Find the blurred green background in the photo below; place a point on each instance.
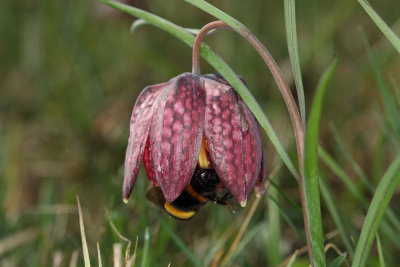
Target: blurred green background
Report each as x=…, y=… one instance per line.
x=70, y=74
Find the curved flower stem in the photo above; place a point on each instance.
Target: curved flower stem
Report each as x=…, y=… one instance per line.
x=276, y=73
x=284, y=89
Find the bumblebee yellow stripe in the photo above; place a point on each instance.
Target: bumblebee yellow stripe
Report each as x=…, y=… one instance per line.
x=194, y=194
x=183, y=215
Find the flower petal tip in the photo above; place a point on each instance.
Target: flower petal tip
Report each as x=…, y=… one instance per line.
x=259, y=191
x=125, y=200
x=243, y=203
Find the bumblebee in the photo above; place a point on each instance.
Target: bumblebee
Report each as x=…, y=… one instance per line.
x=202, y=188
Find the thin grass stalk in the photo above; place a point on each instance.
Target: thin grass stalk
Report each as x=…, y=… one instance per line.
x=85, y=249
x=291, y=37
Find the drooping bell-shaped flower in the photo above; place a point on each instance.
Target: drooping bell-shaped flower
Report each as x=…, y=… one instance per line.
x=191, y=121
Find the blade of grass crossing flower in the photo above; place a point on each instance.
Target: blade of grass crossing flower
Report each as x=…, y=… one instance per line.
x=291, y=36
x=393, y=113
x=338, y=261
x=215, y=61
x=311, y=175
x=192, y=258
x=85, y=250
x=380, y=252
x=383, y=194
x=146, y=249
x=386, y=30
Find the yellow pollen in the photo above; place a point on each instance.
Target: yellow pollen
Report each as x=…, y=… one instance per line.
x=204, y=161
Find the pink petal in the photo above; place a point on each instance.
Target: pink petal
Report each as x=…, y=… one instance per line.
x=139, y=129
x=147, y=163
x=233, y=139
x=259, y=188
x=253, y=143
x=176, y=135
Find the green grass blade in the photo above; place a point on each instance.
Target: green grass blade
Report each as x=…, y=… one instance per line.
x=215, y=61
x=192, y=258
x=330, y=162
x=386, y=30
x=289, y=221
x=146, y=248
x=391, y=216
x=246, y=239
x=377, y=208
x=331, y=204
x=393, y=114
x=340, y=145
x=85, y=250
x=311, y=173
x=291, y=36
x=380, y=252
x=292, y=259
x=338, y=261
x=212, y=10
x=273, y=251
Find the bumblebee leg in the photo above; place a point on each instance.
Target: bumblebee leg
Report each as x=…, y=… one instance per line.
x=224, y=201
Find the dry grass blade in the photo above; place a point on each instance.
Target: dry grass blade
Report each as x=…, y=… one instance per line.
x=74, y=259
x=132, y=259
x=128, y=247
x=83, y=235
x=18, y=239
x=117, y=255
x=241, y=232
x=99, y=255
x=57, y=258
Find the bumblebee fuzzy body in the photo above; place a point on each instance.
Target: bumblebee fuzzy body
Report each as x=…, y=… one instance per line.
x=201, y=189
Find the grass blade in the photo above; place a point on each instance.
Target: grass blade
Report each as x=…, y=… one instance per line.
x=274, y=255
x=329, y=161
x=377, y=208
x=291, y=36
x=333, y=211
x=390, y=214
x=386, y=30
x=215, y=61
x=292, y=259
x=99, y=255
x=146, y=248
x=380, y=252
x=334, y=166
x=387, y=97
x=311, y=175
x=338, y=261
x=85, y=250
x=192, y=258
